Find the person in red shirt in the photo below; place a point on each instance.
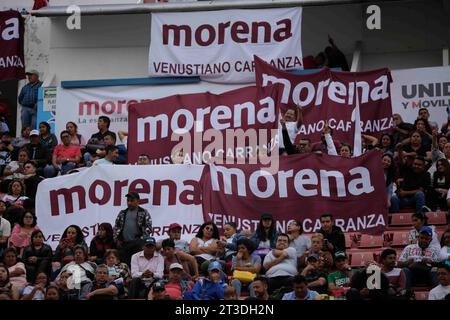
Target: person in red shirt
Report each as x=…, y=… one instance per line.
x=65, y=156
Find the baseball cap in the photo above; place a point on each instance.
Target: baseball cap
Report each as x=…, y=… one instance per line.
x=159, y=286
x=32, y=71
x=174, y=226
x=266, y=215
x=340, y=255
x=214, y=266
x=175, y=266
x=314, y=256
x=34, y=132
x=426, y=230
x=133, y=195
x=150, y=241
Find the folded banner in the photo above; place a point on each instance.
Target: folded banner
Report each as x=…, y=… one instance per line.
x=171, y=193
x=331, y=95
x=204, y=125
x=12, y=62
x=219, y=45
x=306, y=186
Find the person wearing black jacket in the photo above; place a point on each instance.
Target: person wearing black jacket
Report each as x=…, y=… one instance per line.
x=37, y=152
x=37, y=257
x=334, y=239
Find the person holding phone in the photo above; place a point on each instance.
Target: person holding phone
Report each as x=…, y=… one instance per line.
x=334, y=239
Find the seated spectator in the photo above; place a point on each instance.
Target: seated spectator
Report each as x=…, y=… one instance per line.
x=301, y=291
x=31, y=179
x=24, y=138
x=334, y=239
x=280, y=264
x=147, y=267
x=6, y=150
x=36, y=292
x=360, y=289
x=245, y=266
x=21, y=233
x=37, y=257
x=440, y=149
x=175, y=235
x=8, y=291
x=143, y=159
x=48, y=139
x=65, y=157
x=342, y=277
x=66, y=293
x=315, y=275
x=110, y=140
x=418, y=260
x=175, y=286
x=437, y=194
x=64, y=252
x=111, y=154
x=158, y=292
x=226, y=248
x=423, y=127
x=445, y=250
x=15, y=169
x=37, y=152
x=172, y=256
x=96, y=140
x=419, y=221
x=16, y=193
x=441, y=291
x=84, y=269
x=204, y=245
x=414, y=148
x=412, y=187
x=298, y=241
x=52, y=293
x=424, y=114
x=265, y=236
x=388, y=164
x=386, y=144
x=317, y=246
x=17, y=271
x=102, y=242
x=260, y=289
x=101, y=288
x=76, y=139
x=209, y=288
x=396, y=276
x=117, y=269
x=5, y=228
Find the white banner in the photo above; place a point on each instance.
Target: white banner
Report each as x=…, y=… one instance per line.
x=171, y=193
x=413, y=89
x=84, y=105
x=219, y=45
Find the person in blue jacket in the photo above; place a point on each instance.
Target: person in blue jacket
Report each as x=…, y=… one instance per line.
x=210, y=288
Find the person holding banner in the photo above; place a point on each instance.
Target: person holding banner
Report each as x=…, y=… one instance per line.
x=132, y=225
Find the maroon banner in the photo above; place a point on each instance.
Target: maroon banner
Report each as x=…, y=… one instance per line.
x=331, y=95
x=12, y=63
x=210, y=124
x=305, y=187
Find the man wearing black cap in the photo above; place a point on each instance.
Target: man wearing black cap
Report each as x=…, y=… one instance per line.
x=315, y=275
x=28, y=98
x=132, y=226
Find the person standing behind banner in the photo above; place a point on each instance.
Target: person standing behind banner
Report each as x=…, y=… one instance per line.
x=132, y=225
x=28, y=98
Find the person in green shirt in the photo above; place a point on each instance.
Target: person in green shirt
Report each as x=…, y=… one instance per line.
x=341, y=278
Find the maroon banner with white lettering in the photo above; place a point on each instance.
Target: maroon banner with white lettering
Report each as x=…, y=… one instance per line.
x=305, y=187
x=206, y=121
x=331, y=95
x=12, y=63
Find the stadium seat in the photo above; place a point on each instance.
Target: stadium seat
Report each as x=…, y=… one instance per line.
x=437, y=218
x=351, y=239
x=421, y=295
x=401, y=219
x=369, y=241
x=358, y=259
x=400, y=238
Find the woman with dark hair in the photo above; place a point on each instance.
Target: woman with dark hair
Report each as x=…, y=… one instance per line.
x=388, y=164
x=444, y=255
x=15, y=169
x=245, y=261
x=386, y=143
x=16, y=193
x=298, y=241
x=204, y=245
x=345, y=150
x=17, y=271
x=420, y=220
x=48, y=139
x=265, y=235
x=437, y=195
x=102, y=241
x=37, y=256
x=414, y=148
x=76, y=139
x=423, y=127
x=37, y=292
x=80, y=265
x=64, y=252
x=21, y=233
x=227, y=245
x=7, y=290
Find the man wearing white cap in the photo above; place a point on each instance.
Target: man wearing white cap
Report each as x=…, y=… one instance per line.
x=28, y=99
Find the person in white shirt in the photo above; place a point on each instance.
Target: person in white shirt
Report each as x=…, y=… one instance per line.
x=293, y=120
x=281, y=264
x=147, y=267
x=112, y=153
x=442, y=291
